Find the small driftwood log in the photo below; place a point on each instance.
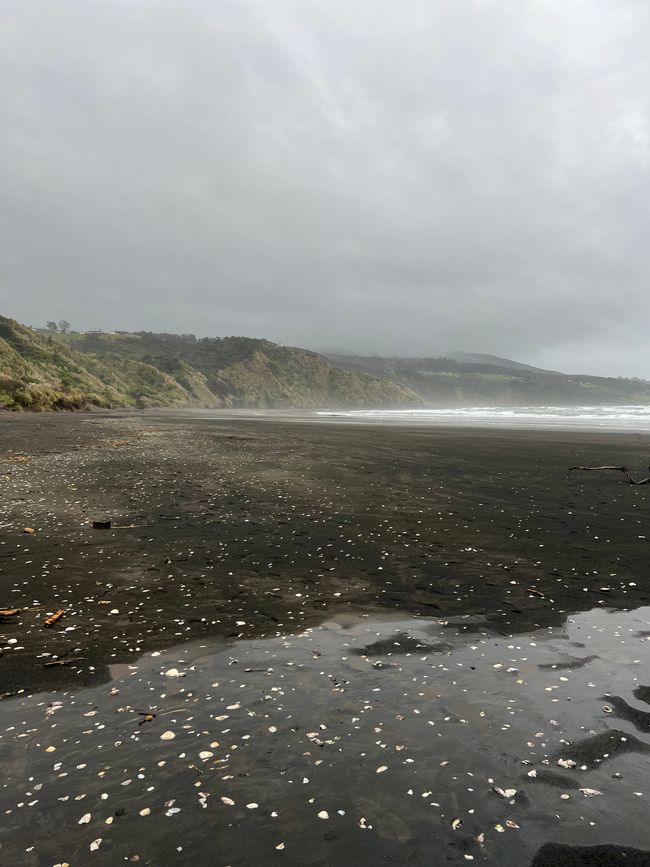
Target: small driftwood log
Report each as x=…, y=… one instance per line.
x=623, y=470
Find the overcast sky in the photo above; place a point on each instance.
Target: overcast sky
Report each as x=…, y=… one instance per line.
x=360, y=175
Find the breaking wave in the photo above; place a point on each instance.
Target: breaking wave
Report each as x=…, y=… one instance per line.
x=633, y=418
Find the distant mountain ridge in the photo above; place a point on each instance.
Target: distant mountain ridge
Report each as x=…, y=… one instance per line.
x=494, y=360
x=487, y=380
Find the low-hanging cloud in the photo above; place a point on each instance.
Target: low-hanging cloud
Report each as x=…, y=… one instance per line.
x=360, y=176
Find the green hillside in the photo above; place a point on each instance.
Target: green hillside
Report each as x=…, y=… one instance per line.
x=247, y=372
x=37, y=372
x=445, y=382
x=46, y=371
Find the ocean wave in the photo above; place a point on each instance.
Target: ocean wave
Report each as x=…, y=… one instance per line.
x=631, y=417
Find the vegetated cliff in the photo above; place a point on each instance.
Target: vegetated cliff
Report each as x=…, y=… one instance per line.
x=445, y=382
x=44, y=371
x=247, y=372
x=37, y=372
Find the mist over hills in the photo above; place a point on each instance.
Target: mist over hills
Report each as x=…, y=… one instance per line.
x=48, y=370
x=487, y=380
x=493, y=361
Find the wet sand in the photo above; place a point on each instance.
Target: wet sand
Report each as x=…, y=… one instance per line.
x=235, y=534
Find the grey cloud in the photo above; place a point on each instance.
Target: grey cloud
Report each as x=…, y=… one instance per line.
x=370, y=176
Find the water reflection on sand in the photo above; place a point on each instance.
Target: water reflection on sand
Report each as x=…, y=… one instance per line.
x=368, y=740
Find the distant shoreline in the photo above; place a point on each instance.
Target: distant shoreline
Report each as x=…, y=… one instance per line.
x=478, y=418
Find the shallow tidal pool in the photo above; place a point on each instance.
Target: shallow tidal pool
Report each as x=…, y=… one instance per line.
x=367, y=740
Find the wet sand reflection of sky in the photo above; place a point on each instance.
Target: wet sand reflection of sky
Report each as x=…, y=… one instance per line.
x=363, y=741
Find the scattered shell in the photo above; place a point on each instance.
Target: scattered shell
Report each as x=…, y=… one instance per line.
x=504, y=793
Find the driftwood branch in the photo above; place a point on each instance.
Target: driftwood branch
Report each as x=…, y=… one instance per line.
x=623, y=470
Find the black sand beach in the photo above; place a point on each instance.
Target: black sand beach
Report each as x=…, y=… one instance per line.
x=229, y=535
